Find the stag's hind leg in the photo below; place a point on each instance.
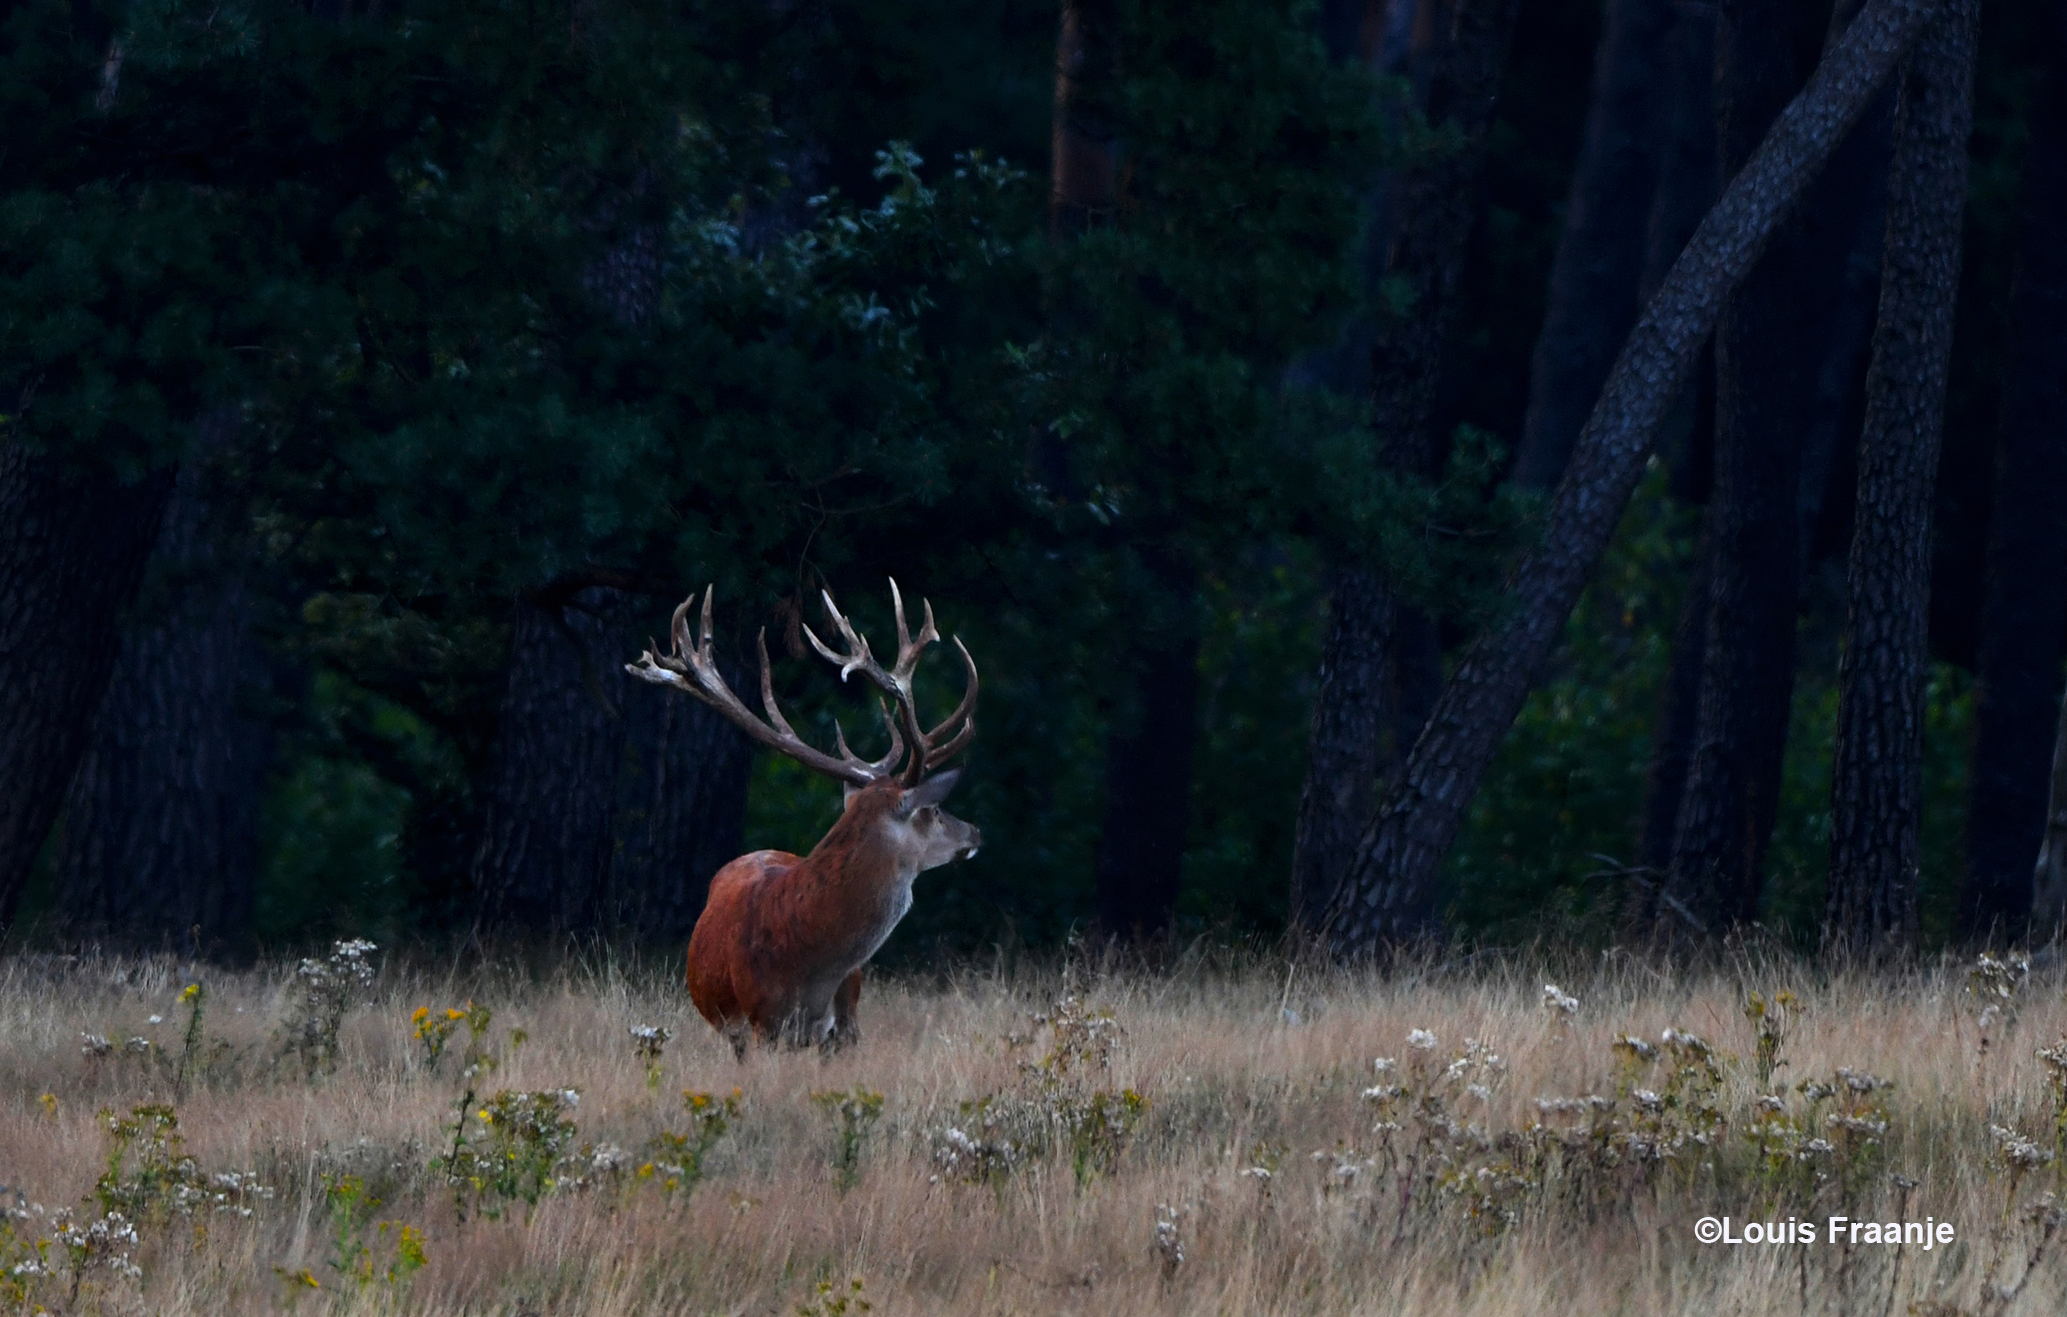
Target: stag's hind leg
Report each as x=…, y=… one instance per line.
x=846, y=1026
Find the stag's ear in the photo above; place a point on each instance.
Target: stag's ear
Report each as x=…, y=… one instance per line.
x=929, y=792
x=847, y=793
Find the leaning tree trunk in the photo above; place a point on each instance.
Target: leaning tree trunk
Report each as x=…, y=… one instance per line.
x=1600, y=255
x=1876, y=785
x=1731, y=791
x=1384, y=659
x=72, y=552
x=545, y=854
x=160, y=839
x=2026, y=608
x=1390, y=892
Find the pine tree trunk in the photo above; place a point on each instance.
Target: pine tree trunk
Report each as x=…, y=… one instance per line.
x=72, y=552
x=2049, y=877
x=1843, y=224
x=2026, y=607
x=547, y=839
x=1346, y=741
x=1831, y=264
x=1876, y=787
x=1687, y=186
x=681, y=809
x=161, y=830
x=1786, y=350
x=1753, y=557
x=1148, y=767
x=1385, y=659
x=1672, y=749
x=1390, y=892
x=1083, y=170
x=1600, y=254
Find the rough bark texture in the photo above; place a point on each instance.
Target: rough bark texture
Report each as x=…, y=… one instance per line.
x=1148, y=762
x=72, y=552
x=1840, y=290
x=2026, y=607
x=1390, y=892
x=544, y=860
x=681, y=808
x=1688, y=182
x=1731, y=792
x=1379, y=647
x=160, y=839
x=1346, y=742
x=1787, y=351
x=1672, y=748
x=1595, y=275
x=2049, y=878
x=1842, y=226
x=1083, y=179
x=1687, y=185
x=1831, y=265
x=1876, y=785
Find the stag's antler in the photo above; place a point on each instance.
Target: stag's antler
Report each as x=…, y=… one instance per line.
x=928, y=752
x=693, y=670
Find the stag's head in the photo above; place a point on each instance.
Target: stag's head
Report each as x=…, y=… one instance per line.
x=911, y=821
x=897, y=797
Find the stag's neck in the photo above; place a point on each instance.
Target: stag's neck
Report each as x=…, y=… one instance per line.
x=862, y=872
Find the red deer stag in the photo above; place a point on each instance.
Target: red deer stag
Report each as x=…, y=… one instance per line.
x=779, y=948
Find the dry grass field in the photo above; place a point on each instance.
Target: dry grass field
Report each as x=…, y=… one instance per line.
x=1225, y=1140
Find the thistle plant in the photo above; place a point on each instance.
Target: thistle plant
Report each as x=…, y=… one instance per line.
x=1053, y=1109
x=832, y=1300
x=389, y=1256
x=649, y=1041
x=1994, y=985
x=510, y=1149
x=2054, y=1061
x=1168, y=1243
x=854, y=1114
x=149, y=1177
x=323, y=990
x=100, y=1245
x=1772, y=1022
x=675, y=1161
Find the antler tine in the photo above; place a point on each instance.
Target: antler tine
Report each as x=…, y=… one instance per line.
x=859, y=658
x=962, y=710
x=938, y=755
x=692, y=670
x=897, y=684
x=880, y=767
x=775, y=717
x=908, y=650
x=677, y=627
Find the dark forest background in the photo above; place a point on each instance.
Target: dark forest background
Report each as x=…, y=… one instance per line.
x=376, y=377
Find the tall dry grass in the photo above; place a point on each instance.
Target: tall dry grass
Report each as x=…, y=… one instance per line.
x=1245, y=1066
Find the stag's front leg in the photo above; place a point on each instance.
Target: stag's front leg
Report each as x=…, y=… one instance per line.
x=846, y=1024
